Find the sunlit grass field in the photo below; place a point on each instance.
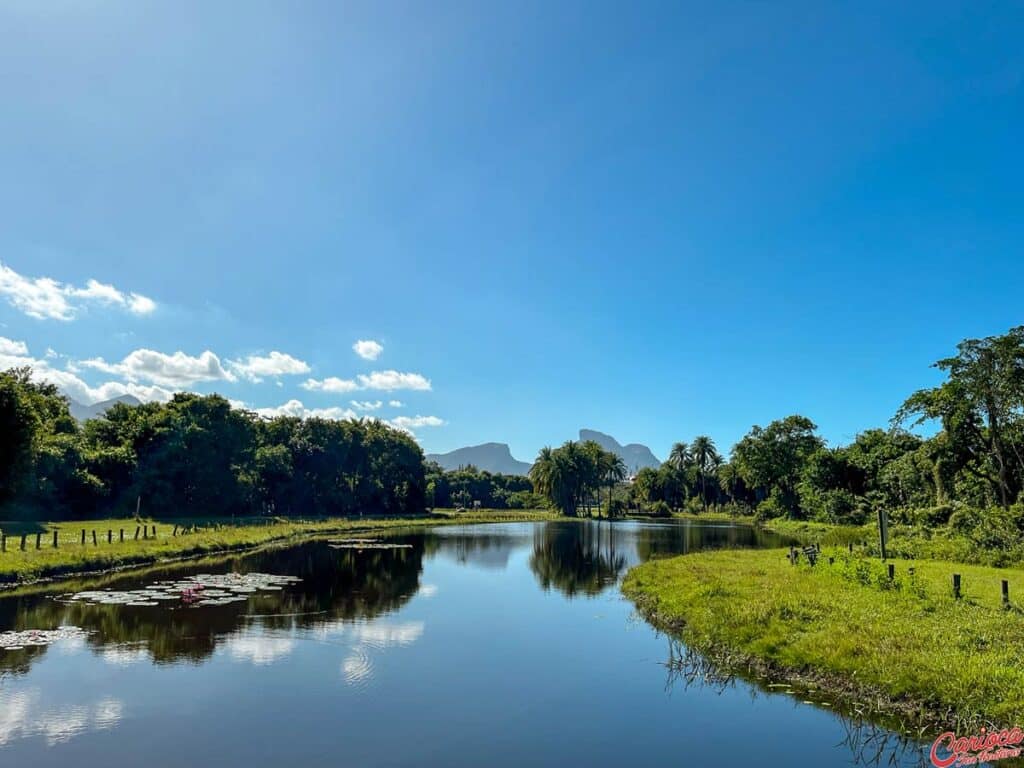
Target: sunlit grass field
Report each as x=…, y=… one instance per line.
x=957, y=661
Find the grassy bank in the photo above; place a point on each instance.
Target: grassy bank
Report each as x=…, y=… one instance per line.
x=905, y=647
x=205, y=536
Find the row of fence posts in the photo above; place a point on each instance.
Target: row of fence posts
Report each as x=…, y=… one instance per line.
x=145, y=530
x=891, y=569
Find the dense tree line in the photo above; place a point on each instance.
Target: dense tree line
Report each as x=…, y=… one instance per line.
x=973, y=461
x=195, y=455
x=467, y=486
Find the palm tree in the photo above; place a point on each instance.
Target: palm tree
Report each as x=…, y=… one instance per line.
x=556, y=474
x=706, y=457
x=680, y=457
x=614, y=471
x=540, y=472
x=681, y=460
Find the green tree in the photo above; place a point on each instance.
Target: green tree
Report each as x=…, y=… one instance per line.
x=980, y=407
x=771, y=459
x=706, y=459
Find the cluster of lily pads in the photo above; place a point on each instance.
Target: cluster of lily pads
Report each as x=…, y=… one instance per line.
x=361, y=544
x=201, y=590
x=16, y=641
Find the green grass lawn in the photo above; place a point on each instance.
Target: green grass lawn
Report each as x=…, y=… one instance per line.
x=210, y=535
x=845, y=626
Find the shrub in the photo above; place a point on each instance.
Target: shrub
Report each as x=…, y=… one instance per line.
x=659, y=509
x=965, y=519
x=935, y=516
x=693, y=506
x=616, y=508
x=771, y=508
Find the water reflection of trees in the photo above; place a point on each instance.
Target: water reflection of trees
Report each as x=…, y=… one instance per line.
x=693, y=536
x=868, y=743
x=337, y=585
x=579, y=559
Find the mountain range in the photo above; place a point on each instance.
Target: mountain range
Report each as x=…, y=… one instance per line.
x=490, y=457
x=498, y=458
x=635, y=455
x=82, y=412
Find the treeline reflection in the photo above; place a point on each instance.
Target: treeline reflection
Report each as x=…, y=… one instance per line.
x=346, y=586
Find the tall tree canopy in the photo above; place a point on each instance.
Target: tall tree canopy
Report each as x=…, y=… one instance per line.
x=196, y=455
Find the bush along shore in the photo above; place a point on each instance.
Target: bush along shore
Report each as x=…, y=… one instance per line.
x=902, y=648
x=96, y=545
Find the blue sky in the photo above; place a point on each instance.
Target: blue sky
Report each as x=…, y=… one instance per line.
x=656, y=220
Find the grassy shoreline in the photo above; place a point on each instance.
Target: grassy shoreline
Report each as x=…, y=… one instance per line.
x=212, y=536
x=904, y=649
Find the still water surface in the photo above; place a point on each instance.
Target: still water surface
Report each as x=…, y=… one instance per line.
x=499, y=645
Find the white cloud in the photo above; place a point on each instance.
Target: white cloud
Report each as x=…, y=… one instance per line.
x=11, y=347
x=396, y=403
x=26, y=715
x=139, y=304
x=259, y=651
x=94, y=289
x=330, y=384
x=255, y=367
x=296, y=409
x=383, y=635
x=72, y=386
x=368, y=349
x=177, y=370
x=81, y=392
x=366, y=405
x=414, y=422
x=386, y=381
x=382, y=381
x=47, y=299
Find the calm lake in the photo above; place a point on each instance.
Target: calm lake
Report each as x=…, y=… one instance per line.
x=497, y=645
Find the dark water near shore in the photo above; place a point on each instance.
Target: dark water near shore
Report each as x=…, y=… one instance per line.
x=503, y=645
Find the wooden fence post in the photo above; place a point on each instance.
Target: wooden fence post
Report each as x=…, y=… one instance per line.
x=3, y=542
x=110, y=536
x=83, y=537
x=892, y=571
x=23, y=542
x=39, y=540
x=175, y=531
x=851, y=547
x=883, y=531
x=1006, y=594
x=136, y=533
x=956, y=585
x=122, y=535
x=154, y=531
x=54, y=539
x=94, y=537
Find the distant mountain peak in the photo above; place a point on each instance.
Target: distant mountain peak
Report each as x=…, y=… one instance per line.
x=635, y=455
x=83, y=412
x=491, y=457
